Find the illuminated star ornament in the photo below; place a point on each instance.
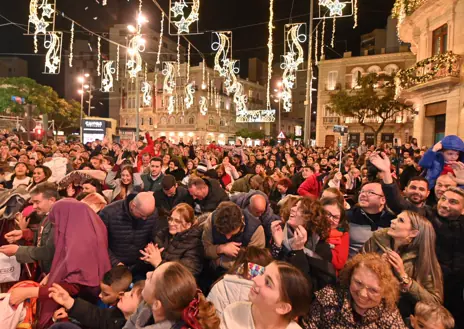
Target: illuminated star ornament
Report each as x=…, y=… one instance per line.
x=181, y=21
x=336, y=8
x=53, y=42
x=47, y=10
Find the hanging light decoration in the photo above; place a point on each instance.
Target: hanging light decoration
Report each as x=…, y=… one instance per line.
x=107, y=78
x=146, y=90
x=134, y=63
x=53, y=42
x=189, y=95
x=323, y=40
x=203, y=84
x=71, y=46
x=355, y=5
x=222, y=48
x=38, y=24
x=332, y=42
x=316, y=46
x=271, y=54
x=177, y=10
x=171, y=104
x=188, y=63
x=117, y=64
x=293, y=58
x=203, y=105
x=99, y=57
x=160, y=44
x=169, y=80
x=257, y=116
x=336, y=7
x=178, y=55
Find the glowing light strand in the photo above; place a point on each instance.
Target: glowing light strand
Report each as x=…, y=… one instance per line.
x=222, y=48
x=355, y=5
x=188, y=63
x=257, y=116
x=332, y=42
x=99, y=57
x=203, y=105
x=316, y=46
x=53, y=42
x=323, y=40
x=134, y=63
x=169, y=81
x=117, y=64
x=71, y=46
x=40, y=23
x=203, y=85
x=171, y=104
x=271, y=54
x=178, y=55
x=293, y=58
x=107, y=77
x=146, y=90
x=189, y=95
x=160, y=39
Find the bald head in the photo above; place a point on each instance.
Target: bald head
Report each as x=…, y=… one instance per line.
x=257, y=205
x=143, y=205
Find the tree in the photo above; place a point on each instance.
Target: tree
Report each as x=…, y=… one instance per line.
x=373, y=103
x=65, y=114
x=253, y=134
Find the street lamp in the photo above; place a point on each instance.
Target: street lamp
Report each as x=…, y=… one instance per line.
x=278, y=90
x=81, y=80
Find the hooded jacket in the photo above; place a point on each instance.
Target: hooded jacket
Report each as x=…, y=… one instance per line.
x=231, y=289
x=424, y=292
x=434, y=162
x=243, y=201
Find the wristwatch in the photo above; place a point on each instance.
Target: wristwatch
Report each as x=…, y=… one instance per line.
x=405, y=282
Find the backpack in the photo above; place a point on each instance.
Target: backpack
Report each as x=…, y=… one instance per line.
x=30, y=305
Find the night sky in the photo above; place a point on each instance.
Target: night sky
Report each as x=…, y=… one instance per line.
x=243, y=17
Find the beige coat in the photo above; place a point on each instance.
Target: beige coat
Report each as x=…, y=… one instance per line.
x=426, y=291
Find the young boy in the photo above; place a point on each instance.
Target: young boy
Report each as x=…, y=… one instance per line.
x=113, y=286
x=91, y=316
x=431, y=316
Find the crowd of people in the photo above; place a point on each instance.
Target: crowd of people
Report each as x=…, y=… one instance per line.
x=152, y=234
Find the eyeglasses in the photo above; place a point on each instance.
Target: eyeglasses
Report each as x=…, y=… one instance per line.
x=359, y=286
x=330, y=216
x=174, y=220
x=370, y=193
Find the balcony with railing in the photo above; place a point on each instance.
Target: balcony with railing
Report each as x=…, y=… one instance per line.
x=404, y=8
x=331, y=120
x=439, y=70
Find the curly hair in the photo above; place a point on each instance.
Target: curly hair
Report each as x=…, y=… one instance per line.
x=315, y=217
x=388, y=283
x=286, y=205
x=228, y=217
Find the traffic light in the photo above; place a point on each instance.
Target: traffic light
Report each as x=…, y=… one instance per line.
x=38, y=132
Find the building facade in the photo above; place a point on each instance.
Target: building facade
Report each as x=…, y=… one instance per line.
x=435, y=30
x=218, y=124
x=13, y=67
x=343, y=73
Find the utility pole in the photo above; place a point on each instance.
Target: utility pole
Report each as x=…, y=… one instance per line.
x=309, y=79
x=90, y=96
x=137, y=105
x=82, y=111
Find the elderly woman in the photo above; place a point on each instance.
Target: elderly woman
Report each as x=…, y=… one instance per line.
x=366, y=298
x=180, y=241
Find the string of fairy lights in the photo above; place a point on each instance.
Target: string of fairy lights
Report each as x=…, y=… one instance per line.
x=184, y=17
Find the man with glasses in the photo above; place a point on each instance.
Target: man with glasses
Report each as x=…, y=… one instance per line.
x=225, y=231
x=170, y=196
x=367, y=216
x=131, y=224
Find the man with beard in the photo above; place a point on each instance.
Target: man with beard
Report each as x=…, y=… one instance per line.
x=417, y=191
x=447, y=219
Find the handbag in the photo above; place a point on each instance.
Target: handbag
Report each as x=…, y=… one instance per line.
x=10, y=269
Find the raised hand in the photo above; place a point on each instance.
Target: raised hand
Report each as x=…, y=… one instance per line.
x=277, y=233
x=60, y=296
x=300, y=238
x=21, y=221
x=381, y=161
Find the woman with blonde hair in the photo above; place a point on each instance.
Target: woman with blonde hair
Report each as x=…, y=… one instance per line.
x=366, y=298
x=172, y=300
x=409, y=247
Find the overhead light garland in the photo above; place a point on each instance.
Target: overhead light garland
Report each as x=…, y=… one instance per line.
x=355, y=4
x=203, y=105
x=332, y=42
x=53, y=42
x=177, y=10
x=147, y=91
x=40, y=23
x=160, y=44
x=189, y=92
x=257, y=116
x=99, y=56
x=271, y=54
x=134, y=63
x=188, y=63
x=107, y=78
x=293, y=58
x=169, y=80
x=71, y=46
x=203, y=85
x=323, y=40
x=117, y=64
x=316, y=46
x=222, y=48
x=178, y=55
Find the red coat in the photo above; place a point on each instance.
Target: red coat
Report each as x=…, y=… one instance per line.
x=310, y=187
x=150, y=149
x=226, y=180
x=341, y=246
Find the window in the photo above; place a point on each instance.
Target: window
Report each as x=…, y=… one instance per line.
x=355, y=75
x=332, y=80
x=142, y=122
x=150, y=121
x=222, y=123
x=172, y=121
x=179, y=120
x=440, y=40
x=374, y=69
x=211, y=121
x=191, y=121
x=390, y=69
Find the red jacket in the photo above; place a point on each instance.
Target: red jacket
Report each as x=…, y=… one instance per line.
x=310, y=187
x=340, y=243
x=150, y=149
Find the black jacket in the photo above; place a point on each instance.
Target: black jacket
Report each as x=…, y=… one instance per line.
x=216, y=194
x=92, y=317
x=185, y=247
x=165, y=204
x=127, y=234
